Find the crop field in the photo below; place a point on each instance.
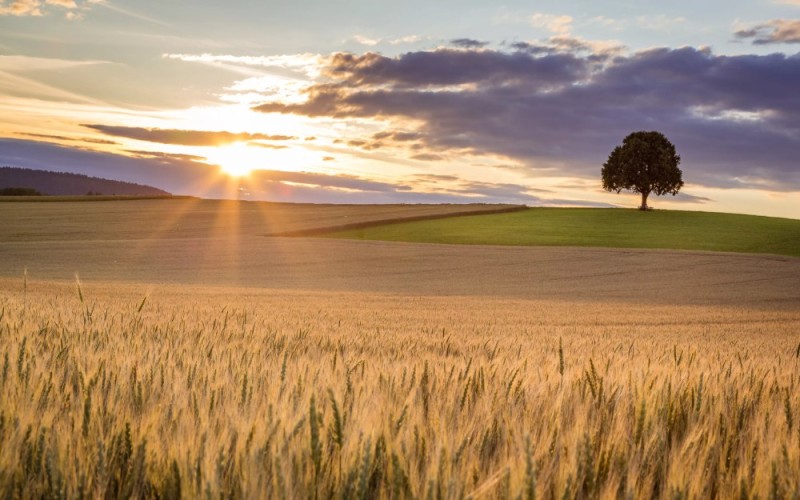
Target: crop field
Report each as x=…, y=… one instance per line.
x=236, y=392
x=221, y=362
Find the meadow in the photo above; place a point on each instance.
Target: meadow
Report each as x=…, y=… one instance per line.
x=219, y=362
x=594, y=227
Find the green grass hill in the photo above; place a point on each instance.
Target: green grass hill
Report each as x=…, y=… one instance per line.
x=596, y=227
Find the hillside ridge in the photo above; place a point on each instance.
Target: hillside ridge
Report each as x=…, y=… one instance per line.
x=63, y=183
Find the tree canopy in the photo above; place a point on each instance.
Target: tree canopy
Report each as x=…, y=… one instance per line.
x=645, y=163
x=19, y=191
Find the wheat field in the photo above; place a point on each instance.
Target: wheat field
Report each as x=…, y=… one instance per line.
x=199, y=358
x=120, y=390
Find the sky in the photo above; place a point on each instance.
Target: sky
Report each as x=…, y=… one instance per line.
x=355, y=101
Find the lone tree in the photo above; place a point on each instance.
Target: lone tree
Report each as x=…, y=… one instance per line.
x=645, y=163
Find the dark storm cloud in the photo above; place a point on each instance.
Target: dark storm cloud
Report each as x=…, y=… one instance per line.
x=734, y=119
x=184, y=137
x=777, y=31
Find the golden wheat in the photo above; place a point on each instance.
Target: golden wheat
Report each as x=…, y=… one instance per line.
x=210, y=392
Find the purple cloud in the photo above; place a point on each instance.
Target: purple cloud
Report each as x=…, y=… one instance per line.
x=734, y=119
x=776, y=31
x=468, y=43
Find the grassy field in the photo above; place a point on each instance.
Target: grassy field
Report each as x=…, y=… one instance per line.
x=200, y=357
x=594, y=227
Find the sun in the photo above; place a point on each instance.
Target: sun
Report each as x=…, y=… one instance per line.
x=238, y=159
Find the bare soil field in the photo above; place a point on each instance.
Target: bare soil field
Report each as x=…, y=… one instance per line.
x=197, y=218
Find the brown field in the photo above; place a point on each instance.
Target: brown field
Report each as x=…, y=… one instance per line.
x=298, y=367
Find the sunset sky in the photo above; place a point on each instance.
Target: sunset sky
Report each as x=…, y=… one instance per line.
x=354, y=101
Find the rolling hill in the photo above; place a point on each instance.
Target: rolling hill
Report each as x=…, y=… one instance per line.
x=62, y=183
x=600, y=227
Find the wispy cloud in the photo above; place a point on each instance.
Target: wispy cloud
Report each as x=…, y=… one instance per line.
x=17, y=78
x=22, y=64
x=560, y=25
x=306, y=64
x=89, y=140
x=184, y=137
x=370, y=41
x=776, y=31
x=130, y=13
x=365, y=40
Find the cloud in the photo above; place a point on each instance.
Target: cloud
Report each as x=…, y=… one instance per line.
x=23, y=64
x=556, y=24
x=306, y=65
x=427, y=157
x=734, y=119
x=468, y=43
x=364, y=40
x=185, y=137
x=371, y=41
x=397, y=136
x=190, y=174
x=21, y=8
x=169, y=172
x=348, y=182
x=67, y=4
x=445, y=67
x=777, y=31
x=37, y=8
x=167, y=157
x=24, y=76
x=405, y=39
x=90, y=140
x=268, y=146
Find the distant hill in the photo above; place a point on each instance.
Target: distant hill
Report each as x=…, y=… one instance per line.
x=61, y=183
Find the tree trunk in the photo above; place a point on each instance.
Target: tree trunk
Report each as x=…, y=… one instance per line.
x=644, y=201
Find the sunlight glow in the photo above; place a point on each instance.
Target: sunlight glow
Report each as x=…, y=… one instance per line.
x=238, y=159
